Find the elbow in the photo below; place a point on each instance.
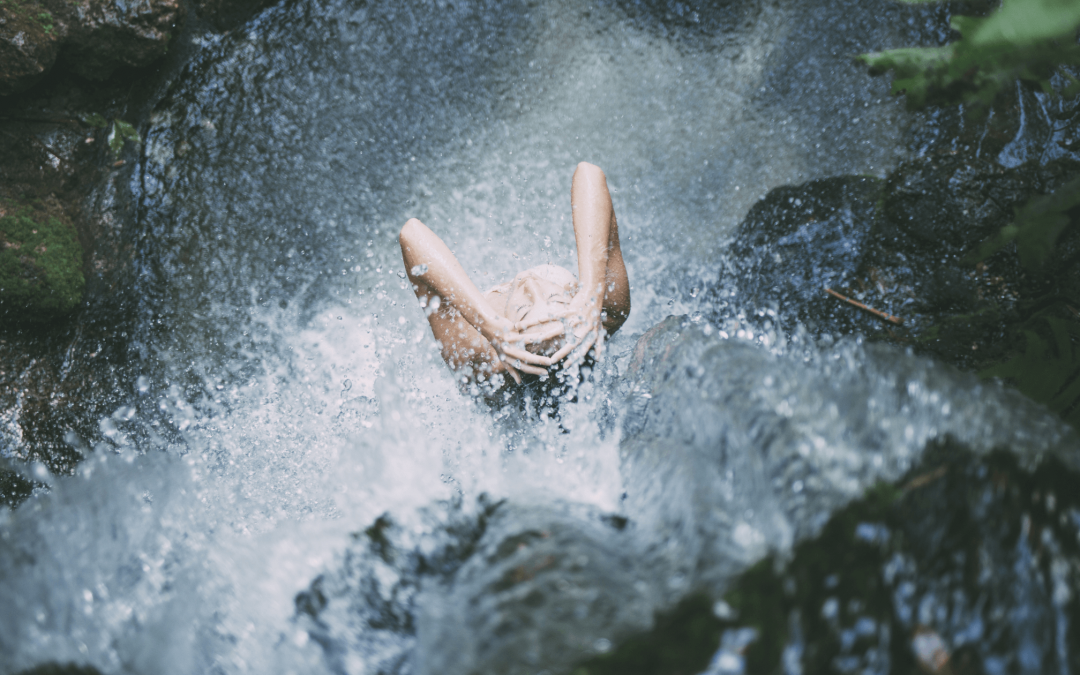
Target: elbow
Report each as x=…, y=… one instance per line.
x=585, y=167
x=408, y=229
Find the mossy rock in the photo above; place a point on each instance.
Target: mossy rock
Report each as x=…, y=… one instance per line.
x=41, y=276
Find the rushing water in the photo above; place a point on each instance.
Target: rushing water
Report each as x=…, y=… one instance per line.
x=291, y=393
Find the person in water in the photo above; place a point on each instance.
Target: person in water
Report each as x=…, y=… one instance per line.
x=545, y=317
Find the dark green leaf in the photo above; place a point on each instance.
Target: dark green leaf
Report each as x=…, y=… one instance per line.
x=95, y=120
x=1023, y=39
x=1037, y=226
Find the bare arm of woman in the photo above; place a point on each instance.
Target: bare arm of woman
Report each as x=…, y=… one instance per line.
x=603, y=298
x=600, y=258
x=468, y=329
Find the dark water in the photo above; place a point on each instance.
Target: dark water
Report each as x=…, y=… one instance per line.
x=291, y=395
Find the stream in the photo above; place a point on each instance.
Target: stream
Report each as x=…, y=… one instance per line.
x=297, y=484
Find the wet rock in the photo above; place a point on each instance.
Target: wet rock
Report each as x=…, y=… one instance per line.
x=29, y=44
x=899, y=247
x=41, y=260
x=368, y=602
x=224, y=14
x=111, y=33
x=545, y=589
x=501, y=591
x=796, y=242
x=963, y=566
x=91, y=37
x=966, y=565
x=14, y=488
x=733, y=425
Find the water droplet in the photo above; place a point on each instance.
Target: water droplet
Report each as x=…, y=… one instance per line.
x=419, y=270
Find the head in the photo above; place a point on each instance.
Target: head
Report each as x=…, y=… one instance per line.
x=535, y=293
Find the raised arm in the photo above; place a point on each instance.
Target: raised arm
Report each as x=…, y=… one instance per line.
x=603, y=299
x=601, y=270
x=449, y=295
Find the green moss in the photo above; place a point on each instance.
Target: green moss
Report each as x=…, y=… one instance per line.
x=41, y=275
x=42, y=18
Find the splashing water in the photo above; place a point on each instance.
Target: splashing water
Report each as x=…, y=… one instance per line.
x=293, y=393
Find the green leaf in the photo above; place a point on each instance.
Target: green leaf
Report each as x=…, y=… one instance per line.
x=127, y=132
x=1036, y=228
x=1048, y=372
x=95, y=120
x=122, y=131
x=1023, y=39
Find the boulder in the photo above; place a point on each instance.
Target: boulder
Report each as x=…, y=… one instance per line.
x=963, y=566
x=899, y=246
x=797, y=241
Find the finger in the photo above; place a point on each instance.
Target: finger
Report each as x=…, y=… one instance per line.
x=536, y=320
x=525, y=356
x=552, y=331
x=561, y=354
x=513, y=372
x=533, y=370
x=579, y=354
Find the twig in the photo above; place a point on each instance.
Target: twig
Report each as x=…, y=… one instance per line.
x=876, y=312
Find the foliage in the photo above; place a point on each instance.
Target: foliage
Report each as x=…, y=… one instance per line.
x=40, y=264
x=1023, y=39
x=1048, y=367
x=1048, y=370
x=121, y=132
x=1037, y=227
x=95, y=120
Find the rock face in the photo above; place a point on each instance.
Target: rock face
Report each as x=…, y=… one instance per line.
x=800, y=240
x=41, y=262
x=114, y=33
x=899, y=246
x=93, y=37
x=223, y=14
x=29, y=43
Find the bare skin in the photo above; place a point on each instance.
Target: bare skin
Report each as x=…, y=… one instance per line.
x=541, y=317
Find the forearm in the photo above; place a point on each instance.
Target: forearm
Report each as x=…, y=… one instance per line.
x=433, y=269
x=593, y=221
x=616, y=285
